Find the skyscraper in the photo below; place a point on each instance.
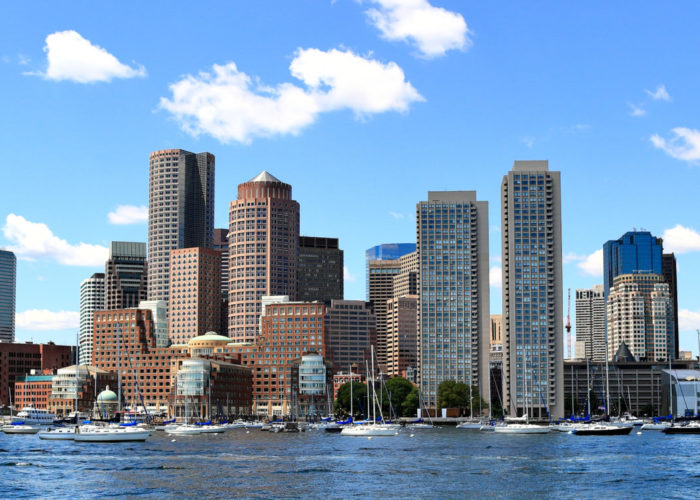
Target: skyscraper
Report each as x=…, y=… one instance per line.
x=453, y=315
x=263, y=251
x=221, y=244
x=180, y=210
x=401, y=338
x=8, y=291
x=381, y=290
x=92, y=298
x=126, y=275
x=668, y=269
x=195, y=293
x=350, y=332
x=320, y=269
x=590, y=323
x=634, y=252
x=386, y=251
x=533, y=351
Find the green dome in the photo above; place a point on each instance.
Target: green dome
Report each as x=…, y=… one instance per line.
x=209, y=337
x=107, y=396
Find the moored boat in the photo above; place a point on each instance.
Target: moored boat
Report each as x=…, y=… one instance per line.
x=20, y=428
x=689, y=428
x=603, y=430
x=99, y=434
x=521, y=429
x=58, y=434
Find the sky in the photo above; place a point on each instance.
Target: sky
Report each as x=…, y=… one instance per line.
x=362, y=106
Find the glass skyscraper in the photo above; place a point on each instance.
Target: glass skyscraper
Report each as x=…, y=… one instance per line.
x=635, y=252
x=453, y=317
x=8, y=289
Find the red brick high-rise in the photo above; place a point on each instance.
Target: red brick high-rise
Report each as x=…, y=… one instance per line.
x=263, y=251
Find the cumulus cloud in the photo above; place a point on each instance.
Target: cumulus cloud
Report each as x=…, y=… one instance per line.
x=495, y=277
x=43, y=319
x=684, y=145
x=681, y=239
x=128, y=214
x=71, y=57
x=230, y=105
x=591, y=265
x=660, y=94
x=347, y=276
x=34, y=240
x=433, y=30
x=688, y=320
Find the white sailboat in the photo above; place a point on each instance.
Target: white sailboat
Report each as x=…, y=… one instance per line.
x=18, y=426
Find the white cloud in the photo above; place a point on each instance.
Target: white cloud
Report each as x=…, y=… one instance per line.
x=23, y=60
x=347, y=276
x=636, y=109
x=128, y=214
x=590, y=264
x=688, y=320
x=528, y=141
x=34, y=240
x=72, y=57
x=433, y=30
x=495, y=277
x=396, y=215
x=660, y=94
x=496, y=259
x=685, y=145
x=43, y=319
x=230, y=105
x=681, y=239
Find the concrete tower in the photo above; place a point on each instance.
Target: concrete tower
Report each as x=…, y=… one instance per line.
x=92, y=298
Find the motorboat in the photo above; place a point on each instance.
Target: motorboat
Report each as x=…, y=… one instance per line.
x=58, y=434
x=34, y=416
x=603, y=430
x=183, y=429
x=370, y=430
x=473, y=425
x=109, y=434
x=516, y=428
x=689, y=428
x=420, y=425
x=20, y=427
x=656, y=426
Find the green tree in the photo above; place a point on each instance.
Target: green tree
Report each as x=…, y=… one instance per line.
x=409, y=407
x=359, y=396
x=452, y=394
x=394, y=393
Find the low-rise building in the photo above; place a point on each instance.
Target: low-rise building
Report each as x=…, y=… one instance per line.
x=91, y=380
x=34, y=389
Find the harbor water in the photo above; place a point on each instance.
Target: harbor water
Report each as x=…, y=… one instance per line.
x=437, y=463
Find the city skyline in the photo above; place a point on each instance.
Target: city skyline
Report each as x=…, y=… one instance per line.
x=611, y=139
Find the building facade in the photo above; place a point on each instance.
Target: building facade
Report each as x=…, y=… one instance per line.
x=386, y=251
x=312, y=384
x=496, y=338
x=591, y=316
x=381, y=289
x=195, y=293
x=640, y=314
x=453, y=313
x=126, y=275
x=350, y=333
x=221, y=245
x=668, y=269
x=8, y=292
x=180, y=210
x=92, y=298
x=33, y=390
x=633, y=252
x=320, y=270
x=402, y=335
x=159, y=315
x=533, y=350
x=91, y=381
x=263, y=251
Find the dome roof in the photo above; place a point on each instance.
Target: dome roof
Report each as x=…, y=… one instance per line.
x=107, y=396
x=210, y=337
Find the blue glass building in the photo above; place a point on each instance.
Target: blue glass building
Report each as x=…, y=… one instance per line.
x=634, y=252
x=8, y=288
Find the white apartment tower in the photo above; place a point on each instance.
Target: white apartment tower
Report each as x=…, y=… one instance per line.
x=92, y=298
x=533, y=351
x=453, y=306
x=590, y=323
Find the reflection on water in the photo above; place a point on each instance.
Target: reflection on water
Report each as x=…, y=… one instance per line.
x=444, y=463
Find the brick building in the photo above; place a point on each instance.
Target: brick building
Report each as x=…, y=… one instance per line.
x=33, y=390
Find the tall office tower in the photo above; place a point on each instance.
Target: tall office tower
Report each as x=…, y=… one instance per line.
x=406, y=282
x=533, y=350
x=590, y=323
x=92, y=298
x=496, y=339
x=351, y=330
x=263, y=251
x=381, y=289
x=634, y=252
x=180, y=210
x=126, y=275
x=387, y=251
x=402, y=336
x=453, y=311
x=195, y=293
x=320, y=269
x=668, y=269
x=159, y=316
x=640, y=314
x=8, y=291
x=221, y=244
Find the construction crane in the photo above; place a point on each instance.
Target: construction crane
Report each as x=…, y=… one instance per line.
x=568, y=327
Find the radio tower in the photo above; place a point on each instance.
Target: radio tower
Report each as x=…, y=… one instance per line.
x=568, y=327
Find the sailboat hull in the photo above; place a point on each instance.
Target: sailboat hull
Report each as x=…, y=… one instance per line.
x=369, y=430
x=602, y=430
x=520, y=429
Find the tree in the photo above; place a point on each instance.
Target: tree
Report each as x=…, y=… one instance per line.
x=452, y=394
x=394, y=393
x=359, y=396
x=410, y=404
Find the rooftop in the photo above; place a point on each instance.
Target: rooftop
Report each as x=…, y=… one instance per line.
x=264, y=176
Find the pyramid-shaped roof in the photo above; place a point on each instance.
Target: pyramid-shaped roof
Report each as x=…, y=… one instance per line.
x=264, y=176
x=624, y=354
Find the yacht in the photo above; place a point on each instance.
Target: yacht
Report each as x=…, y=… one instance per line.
x=370, y=430
x=603, y=430
x=58, y=434
x=183, y=429
x=97, y=434
x=689, y=428
x=31, y=415
x=521, y=429
x=473, y=425
x=656, y=426
x=20, y=427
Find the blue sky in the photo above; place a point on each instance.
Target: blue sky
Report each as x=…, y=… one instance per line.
x=363, y=106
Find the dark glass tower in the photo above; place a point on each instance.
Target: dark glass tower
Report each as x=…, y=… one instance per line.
x=8, y=289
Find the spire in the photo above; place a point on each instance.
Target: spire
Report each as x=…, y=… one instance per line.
x=264, y=176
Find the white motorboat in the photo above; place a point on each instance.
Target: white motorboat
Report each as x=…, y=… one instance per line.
x=470, y=425
x=421, y=425
x=370, y=430
x=183, y=429
x=20, y=428
x=656, y=426
x=97, y=434
x=58, y=434
x=30, y=415
x=521, y=429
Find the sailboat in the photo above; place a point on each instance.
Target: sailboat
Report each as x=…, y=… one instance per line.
x=18, y=427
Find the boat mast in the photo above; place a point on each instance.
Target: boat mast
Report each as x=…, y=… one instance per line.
x=527, y=395
x=77, y=372
x=351, y=383
x=670, y=389
x=119, y=371
x=588, y=386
